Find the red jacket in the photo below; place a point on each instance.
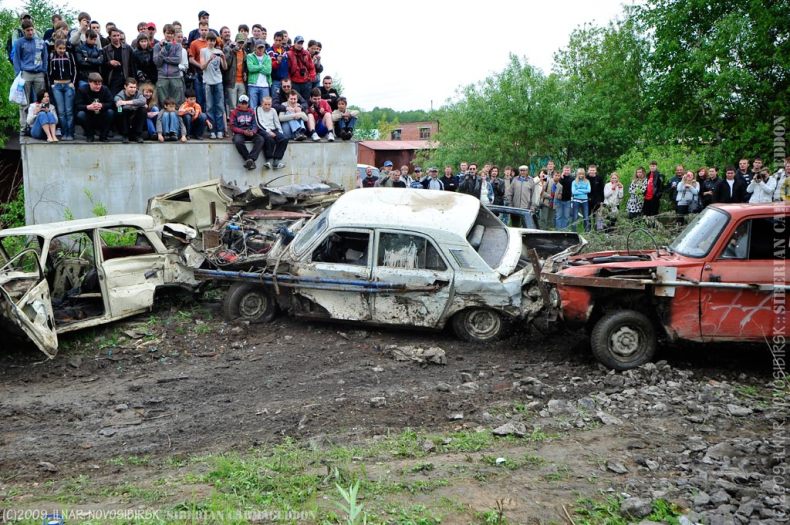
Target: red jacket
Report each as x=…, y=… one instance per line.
x=319, y=110
x=300, y=66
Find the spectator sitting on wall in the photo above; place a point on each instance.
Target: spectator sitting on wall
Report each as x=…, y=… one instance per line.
x=280, y=100
x=269, y=127
x=293, y=117
x=319, y=122
x=245, y=129
x=151, y=108
x=130, y=112
x=94, y=108
x=169, y=125
x=42, y=118
x=192, y=114
x=345, y=119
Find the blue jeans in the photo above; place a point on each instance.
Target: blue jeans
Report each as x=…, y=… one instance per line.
x=276, y=88
x=580, y=206
x=170, y=123
x=195, y=127
x=256, y=94
x=291, y=127
x=215, y=100
x=562, y=214
x=200, y=90
x=342, y=124
x=64, y=102
x=37, y=131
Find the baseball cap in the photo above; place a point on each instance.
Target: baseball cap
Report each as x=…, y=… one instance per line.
x=523, y=167
x=244, y=98
x=239, y=37
x=151, y=25
x=418, y=170
x=387, y=163
x=299, y=38
x=433, y=169
x=260, y=43
x=203, y=13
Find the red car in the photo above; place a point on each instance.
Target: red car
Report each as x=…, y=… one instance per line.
x=724, y=278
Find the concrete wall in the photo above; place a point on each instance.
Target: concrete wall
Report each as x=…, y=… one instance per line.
x=122, y=177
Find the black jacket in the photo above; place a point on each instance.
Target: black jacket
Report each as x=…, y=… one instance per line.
x=450, y=183
x=144, y=68
x=722, y=193
x=86, y=96
x=279, y=102
x=596, y=191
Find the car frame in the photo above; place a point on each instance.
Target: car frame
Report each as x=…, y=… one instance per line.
x=714, y=283
x=59, y=282
x=391, y=256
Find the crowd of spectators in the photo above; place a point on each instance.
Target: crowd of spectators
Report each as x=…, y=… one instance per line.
x=560, y=199
x=175, y=88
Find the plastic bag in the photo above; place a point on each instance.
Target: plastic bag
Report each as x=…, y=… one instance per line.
x=17, y=92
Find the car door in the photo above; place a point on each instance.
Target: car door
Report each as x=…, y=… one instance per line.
x=30, y=308
x=335, y=274
x=411, y=261
x=739, y=285
x=130, y=269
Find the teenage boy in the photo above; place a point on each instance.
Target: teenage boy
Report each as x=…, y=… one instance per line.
x=130, y=112
x=30, y=58
x=345, y=119
x=244, y=128
x=167, y=57
x=212, y=62
x=269, y=127
x=259, y=74
x=319, y=118
x=192, y=114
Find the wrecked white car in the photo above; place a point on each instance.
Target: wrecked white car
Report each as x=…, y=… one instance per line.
x=64, y=276
x=399, y=257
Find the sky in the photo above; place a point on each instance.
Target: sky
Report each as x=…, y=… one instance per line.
x=404, y=55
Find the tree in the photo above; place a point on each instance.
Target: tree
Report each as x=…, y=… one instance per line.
x=719, y=71
x=506, y=118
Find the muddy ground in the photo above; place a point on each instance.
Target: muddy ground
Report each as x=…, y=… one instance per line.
x=182, y=382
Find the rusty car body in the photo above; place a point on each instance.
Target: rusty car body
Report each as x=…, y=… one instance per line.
x=400, y=257
x=65, y=276
x=723, y=278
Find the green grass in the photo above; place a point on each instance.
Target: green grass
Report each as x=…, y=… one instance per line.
x=607, y=512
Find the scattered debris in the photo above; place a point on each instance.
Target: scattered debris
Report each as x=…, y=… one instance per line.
x=511, y=428
x=432, y=354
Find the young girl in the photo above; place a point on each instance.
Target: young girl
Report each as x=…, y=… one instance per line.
x=151, y=108
x=42, y=117
x=63, y=75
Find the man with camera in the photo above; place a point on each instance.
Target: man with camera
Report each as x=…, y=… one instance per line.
x=301, y=69
x=762, y=186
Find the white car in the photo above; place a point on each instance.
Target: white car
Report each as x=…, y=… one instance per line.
x=394, y=256
x=64, y=276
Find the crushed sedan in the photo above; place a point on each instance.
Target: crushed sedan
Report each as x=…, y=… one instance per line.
x=399, y=257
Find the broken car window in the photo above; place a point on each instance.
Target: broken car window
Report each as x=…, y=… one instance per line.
x=308, y=234
x=344, y=248
x=757, y=239
x=124, y=241
x=400, y=250
x=11, y=245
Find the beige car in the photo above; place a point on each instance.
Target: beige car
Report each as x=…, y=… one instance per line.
x=61, y=277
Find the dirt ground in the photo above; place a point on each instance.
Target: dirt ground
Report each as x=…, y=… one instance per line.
x=182, y=382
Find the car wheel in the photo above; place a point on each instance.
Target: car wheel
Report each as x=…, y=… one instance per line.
x=479, y=325
x=248, y=302
x=623, y=339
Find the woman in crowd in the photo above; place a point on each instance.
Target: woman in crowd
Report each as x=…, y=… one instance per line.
x=580, y=199
x=486, y=189
x=498, y=185
x=687, y=196
x=42, y=118
x=63, y=76
x=151, y=108
x=552, y=190
x=636, y=194
x=612, y=196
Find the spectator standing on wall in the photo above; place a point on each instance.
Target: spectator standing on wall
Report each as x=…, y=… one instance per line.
x=31, y=60
x=167, y=57
x=259, y=71
x=89, y=57
x=234, y=78
x=212, y=62
x=63, y=76
x=143, y=60
x=301, y=69
x=79, y=34
x=279, y=56
x=196, y=47
x=314, y=47
x=195, y=33
x=117, y=62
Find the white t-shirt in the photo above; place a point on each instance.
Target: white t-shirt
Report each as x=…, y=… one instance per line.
x=261, y=81
x=212, y=75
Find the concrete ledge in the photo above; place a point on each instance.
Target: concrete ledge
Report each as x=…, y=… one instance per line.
x=74, y=177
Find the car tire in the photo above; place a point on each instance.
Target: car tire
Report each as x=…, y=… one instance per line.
x=479, y=325
x=248, y=302
x=623, y=339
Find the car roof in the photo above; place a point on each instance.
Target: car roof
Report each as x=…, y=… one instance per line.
x=738, y=210
x=405, y=208
x=145, y=222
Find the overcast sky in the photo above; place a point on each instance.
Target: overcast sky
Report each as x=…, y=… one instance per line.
x=404, y=55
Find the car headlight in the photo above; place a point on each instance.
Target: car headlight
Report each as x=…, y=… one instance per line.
x=554, y=297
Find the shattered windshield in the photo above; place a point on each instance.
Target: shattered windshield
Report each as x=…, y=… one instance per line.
x=701, y=234
x=11, y=245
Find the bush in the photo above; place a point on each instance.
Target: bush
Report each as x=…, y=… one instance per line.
x=12, y=213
